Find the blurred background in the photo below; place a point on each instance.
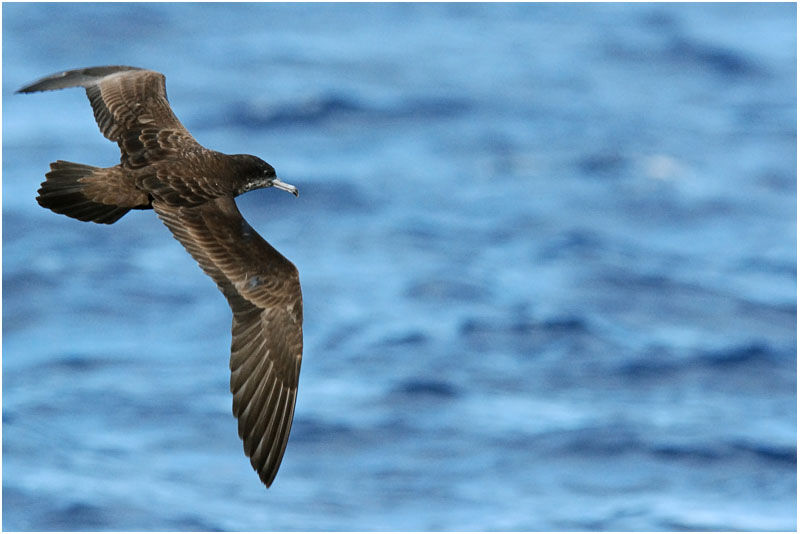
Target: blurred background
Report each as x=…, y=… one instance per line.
x=548, y=255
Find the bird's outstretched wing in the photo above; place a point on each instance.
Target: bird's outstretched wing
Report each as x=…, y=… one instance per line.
x=263, y=290
x=131, y=108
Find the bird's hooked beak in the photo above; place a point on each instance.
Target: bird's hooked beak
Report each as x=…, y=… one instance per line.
x=285, y=187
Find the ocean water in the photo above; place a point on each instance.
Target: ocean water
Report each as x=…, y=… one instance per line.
x=548, y=257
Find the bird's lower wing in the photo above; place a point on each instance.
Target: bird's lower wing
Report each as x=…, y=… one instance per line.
x=263, y=290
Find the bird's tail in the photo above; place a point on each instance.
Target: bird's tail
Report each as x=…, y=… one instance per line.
x=64, y=192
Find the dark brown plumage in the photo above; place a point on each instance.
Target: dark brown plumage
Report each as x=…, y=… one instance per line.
x=191, y=189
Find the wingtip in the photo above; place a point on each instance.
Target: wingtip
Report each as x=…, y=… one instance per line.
x=74, y=78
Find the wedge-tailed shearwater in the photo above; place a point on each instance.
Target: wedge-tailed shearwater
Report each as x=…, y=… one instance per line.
x=192, y=188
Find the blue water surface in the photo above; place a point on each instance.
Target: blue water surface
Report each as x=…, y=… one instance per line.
x=548, y=256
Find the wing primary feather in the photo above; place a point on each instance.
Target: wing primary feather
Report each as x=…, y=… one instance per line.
x=281, y=437
x=261, y=454
x=265, y=413
x=73, y=78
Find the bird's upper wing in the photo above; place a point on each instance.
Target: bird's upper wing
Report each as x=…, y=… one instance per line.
x=130, y=106
x=263, y=290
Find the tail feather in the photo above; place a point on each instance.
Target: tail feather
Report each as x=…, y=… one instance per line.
x=64, y=192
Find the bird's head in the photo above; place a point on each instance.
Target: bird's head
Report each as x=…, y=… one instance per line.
x=257, y=173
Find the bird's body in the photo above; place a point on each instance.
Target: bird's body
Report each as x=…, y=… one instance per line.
x=192, y=188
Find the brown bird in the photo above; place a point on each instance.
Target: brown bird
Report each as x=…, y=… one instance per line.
x=192, y=188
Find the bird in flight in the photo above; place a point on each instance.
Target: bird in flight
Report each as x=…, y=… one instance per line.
x=191, y=189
